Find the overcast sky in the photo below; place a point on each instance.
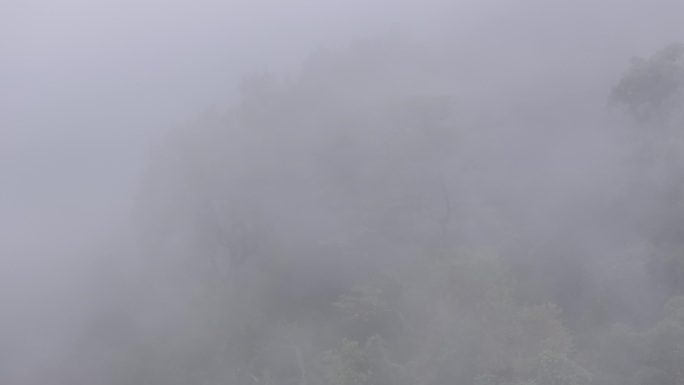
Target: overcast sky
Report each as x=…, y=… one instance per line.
x=84, y=84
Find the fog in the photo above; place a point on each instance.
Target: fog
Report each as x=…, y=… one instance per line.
x=191, y=189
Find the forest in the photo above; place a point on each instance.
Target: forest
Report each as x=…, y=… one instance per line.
x=383, y=216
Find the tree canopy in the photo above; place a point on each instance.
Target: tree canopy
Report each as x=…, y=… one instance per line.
x=361, y=224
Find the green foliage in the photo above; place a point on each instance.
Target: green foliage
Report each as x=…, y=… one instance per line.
x=653, y=356
x=458, y=320
x=557, y=369
x=353, y=364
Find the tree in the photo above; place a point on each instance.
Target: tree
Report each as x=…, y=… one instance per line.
x=652, y=93
x=651, y=89
x=653, y=356
x=355, y=364
x=456, y=320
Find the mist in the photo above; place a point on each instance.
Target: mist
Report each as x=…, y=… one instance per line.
x=366, y=192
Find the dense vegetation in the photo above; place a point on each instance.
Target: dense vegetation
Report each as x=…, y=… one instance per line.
x=364, y=223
